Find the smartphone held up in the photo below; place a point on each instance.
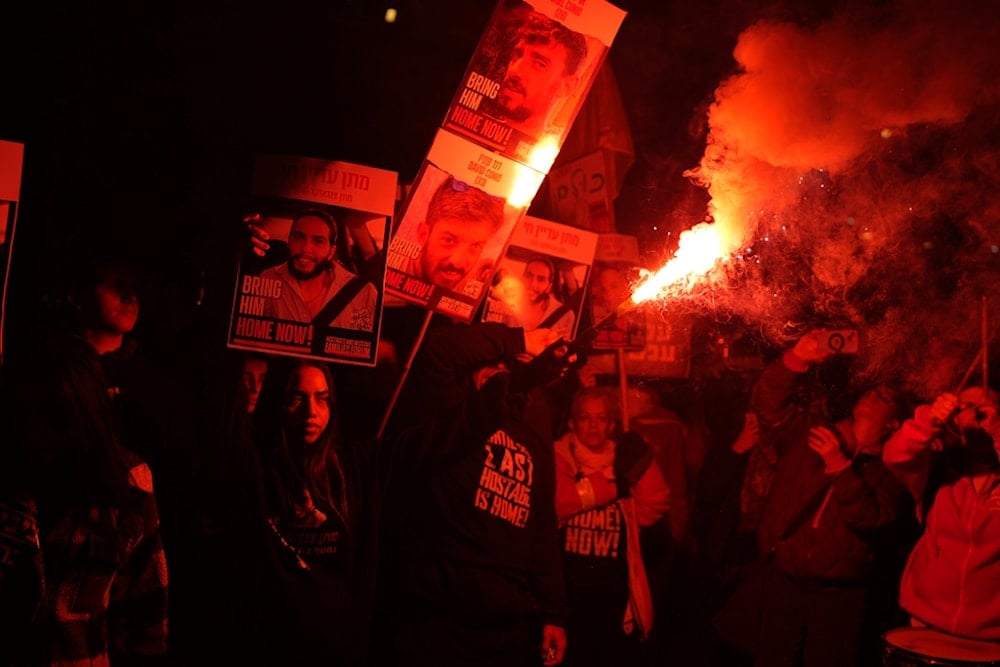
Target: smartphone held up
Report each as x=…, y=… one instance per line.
x=840, y=341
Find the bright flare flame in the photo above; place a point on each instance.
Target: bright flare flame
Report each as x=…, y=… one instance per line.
x=526, y=184
x=528, y=181
x=698, y=250
x=543, y=154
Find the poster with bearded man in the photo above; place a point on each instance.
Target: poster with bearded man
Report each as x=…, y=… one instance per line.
x=542, y=277
x=529, y=75
x=310, y=280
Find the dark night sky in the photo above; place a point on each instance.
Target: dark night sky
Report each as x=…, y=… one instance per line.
x=145, y=116
x=141, y=122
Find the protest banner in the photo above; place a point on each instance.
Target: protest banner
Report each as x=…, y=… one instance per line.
x=530, y=73
x=317, y=291
x=460, y=213
x=616, y=272
x=541, y=280
x=11, y=165
x=666, y=353
x=512, y=112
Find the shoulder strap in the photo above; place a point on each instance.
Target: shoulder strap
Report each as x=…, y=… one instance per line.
x=815, y=506
x=556, y=315
x=336, y=305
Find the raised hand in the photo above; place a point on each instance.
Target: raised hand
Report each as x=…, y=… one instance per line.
x=259, y=238
x=810, y=347
x=536, y=340
x=750, y=434
x=943, y=407
x=553, y=645
x=825, y=443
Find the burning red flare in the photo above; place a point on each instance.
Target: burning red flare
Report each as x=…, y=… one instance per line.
x=698, y=251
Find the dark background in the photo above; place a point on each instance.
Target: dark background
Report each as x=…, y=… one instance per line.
x=141, y=120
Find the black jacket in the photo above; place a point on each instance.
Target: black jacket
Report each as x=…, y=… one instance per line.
x=820, y=527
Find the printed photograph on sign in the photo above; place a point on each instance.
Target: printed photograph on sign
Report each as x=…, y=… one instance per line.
x=541, y=281
x=447, y=243
x=309, y=282
x=529, y=76
x=610, y=286
x=616, y=273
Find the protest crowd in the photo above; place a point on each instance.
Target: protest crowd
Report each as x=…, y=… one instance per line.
x=386, y=442
x=515, y=507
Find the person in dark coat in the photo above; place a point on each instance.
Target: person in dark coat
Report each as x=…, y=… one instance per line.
x=831, y=501
x=471, y=568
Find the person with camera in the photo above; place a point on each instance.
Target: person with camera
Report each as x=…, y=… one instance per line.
x=947, y=457
x=831, y=505
x=607, y=489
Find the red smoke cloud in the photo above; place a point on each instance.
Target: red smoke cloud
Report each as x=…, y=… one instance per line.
x=855, y=167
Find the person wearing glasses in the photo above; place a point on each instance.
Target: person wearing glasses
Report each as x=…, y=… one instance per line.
x=946, y=454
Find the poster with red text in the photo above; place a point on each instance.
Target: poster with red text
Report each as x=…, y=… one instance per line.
x=456, y=222
x=541, y=280
x=529, y=75
x=316, y=291
x=11, y=164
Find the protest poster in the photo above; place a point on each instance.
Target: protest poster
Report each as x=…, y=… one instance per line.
x=541, y=280
x=529, y=75
x=579, y=193
x=666, y=354
x=11, y=164
x=616, y=272
x=317, y=291
x=457, y=219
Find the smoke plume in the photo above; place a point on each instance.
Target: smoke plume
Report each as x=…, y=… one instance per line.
x=854, y=165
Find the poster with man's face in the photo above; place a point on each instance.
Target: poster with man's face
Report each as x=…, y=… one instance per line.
x=616, y=273
x=316, y=289
x=457, y=220
x=541, y=281
x=530, y=74
x=610, y=287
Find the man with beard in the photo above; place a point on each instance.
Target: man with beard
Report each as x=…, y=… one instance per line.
x=544, y=65
x=459, y=222
x=951, y=576
x=311, y=279
x=610, y=287
x=541, y=309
